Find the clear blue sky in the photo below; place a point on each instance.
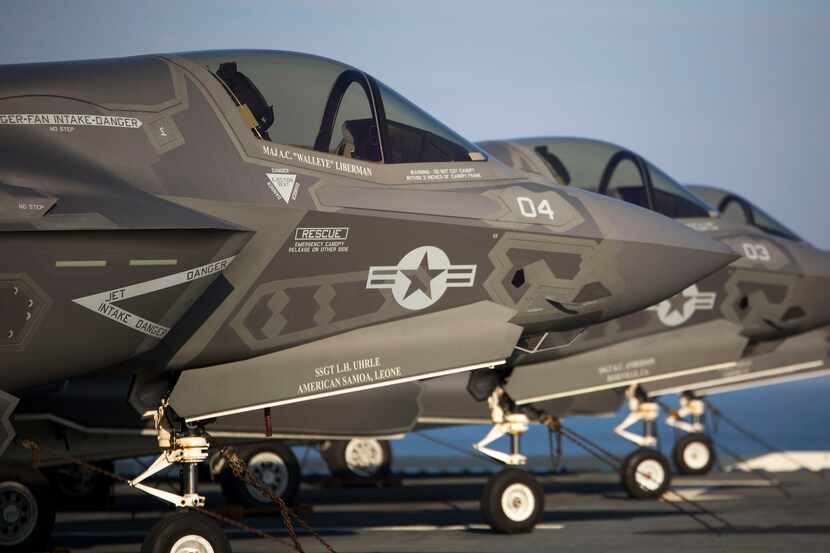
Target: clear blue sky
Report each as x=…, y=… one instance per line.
x=735, y=94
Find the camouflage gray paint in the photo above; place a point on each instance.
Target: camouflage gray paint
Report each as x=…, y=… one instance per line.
x=718, y=326
x=796, y=357
x=707, y=334
x=705, y=339
x=152, y=227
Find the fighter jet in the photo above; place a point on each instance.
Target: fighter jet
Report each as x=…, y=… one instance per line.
x=353, y=443
x=766, y=362
x=746, y=315
x=246, y=229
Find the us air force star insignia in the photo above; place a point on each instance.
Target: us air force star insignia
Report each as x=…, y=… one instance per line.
x=677, y=310
x=421, y=277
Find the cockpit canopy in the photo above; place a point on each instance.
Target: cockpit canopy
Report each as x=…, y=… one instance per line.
x=609, y=169
x=320, y=104
x=735, y=208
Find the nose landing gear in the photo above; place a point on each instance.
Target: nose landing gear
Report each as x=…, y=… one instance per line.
x=513, y=500
x=645, y=473
x=693, y=454
x=504, y=422
x=186, y=530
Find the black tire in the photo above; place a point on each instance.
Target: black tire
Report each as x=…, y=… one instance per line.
x=75, y=486
x=358, y=459
x=646, y=474
x=170, y=534
x=694, y=454
x=275, y=465
x=26, y=491
x=512, y=502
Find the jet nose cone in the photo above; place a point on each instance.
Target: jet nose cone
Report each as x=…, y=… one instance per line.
x=810, y=304
x=657, y=257
x=815, y=262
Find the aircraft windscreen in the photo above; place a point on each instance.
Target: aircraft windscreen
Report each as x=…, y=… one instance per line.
x=734, y=208
x=295, y=86
x=323, y=105
x=674, y=198
x=586, y=163
x=765, y=222
x=414, y=136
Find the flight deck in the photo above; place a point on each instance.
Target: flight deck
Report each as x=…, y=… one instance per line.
x=586, y=511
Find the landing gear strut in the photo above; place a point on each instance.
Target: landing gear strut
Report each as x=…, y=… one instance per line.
x=645, y=473
x=694, y=453
x=187, y=530
x=504, y=422
x=512, y=501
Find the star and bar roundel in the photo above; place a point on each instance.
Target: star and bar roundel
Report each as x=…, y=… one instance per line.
x=678, y=309
x=421, y=277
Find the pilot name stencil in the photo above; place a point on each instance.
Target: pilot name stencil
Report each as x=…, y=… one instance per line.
x=347, y=374
x=626, y=370
x=317, y=161
x=421, y=277
x=677, y=310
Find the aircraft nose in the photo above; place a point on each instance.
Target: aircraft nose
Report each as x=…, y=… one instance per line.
x=657, y=257
x=810, y=307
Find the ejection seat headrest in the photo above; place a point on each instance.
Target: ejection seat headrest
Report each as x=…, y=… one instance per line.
x=248, y=94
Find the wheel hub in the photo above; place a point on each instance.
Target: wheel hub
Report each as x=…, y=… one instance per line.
x=75, y=480
x=650, y=475
x=518, y=502
x=192, y=544
x=364, y=457
x=270, y=470
x=696, y=455
x=19, y=513
x=11, y=514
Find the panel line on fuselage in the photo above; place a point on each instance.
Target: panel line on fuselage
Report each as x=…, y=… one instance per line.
x=490, y=365
x=743, y=377
x=624, y=383
x=784, y=379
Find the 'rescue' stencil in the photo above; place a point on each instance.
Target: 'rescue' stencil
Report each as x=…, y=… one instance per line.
x=677, y=310
x=103, y=302
x=421, y=277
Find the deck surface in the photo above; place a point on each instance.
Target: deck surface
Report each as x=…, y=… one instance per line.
x=584, y=512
